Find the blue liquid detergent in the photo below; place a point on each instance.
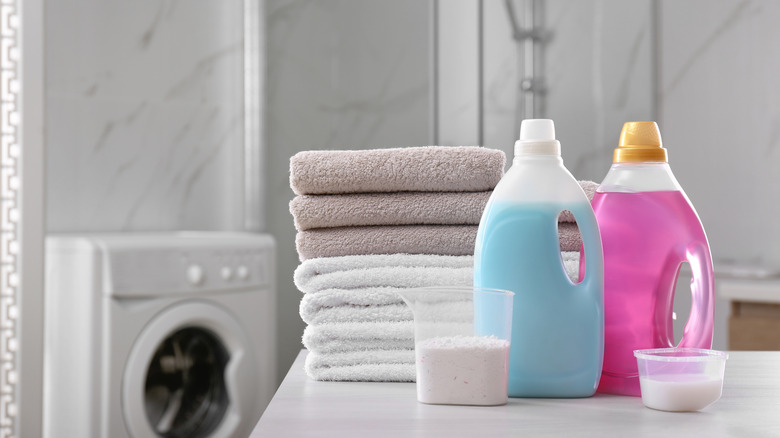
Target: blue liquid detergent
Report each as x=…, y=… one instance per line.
x=557, y=326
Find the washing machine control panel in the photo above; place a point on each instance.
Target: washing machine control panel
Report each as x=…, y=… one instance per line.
x=188, y=267
x=231, y=268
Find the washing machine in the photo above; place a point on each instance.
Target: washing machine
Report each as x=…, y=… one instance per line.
x=158, y=335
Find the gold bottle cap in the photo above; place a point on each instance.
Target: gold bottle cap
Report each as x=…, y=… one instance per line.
x=639, y=142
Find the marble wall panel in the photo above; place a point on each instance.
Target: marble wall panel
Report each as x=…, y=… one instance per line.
x=719, y=101
x=144, y=115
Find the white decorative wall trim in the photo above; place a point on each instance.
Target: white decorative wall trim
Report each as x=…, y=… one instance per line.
x=10, y=193
x=21, y=218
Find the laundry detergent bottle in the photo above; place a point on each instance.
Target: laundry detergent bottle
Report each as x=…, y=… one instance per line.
x=557, y=325
x=648, y=229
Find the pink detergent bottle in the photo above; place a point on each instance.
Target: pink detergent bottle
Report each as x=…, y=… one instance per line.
x=648, y=229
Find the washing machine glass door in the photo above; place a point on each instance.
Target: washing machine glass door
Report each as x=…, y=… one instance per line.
x=184, y=392
x=190, y=373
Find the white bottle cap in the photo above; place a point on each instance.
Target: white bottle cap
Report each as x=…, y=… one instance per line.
x=537, y=137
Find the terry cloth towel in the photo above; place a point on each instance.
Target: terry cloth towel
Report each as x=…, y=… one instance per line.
x=364, y=304
x=376, y=313
x=359, y=336
x=362, y=366
x=402, y=208
x=413, y=169
x=386, y=239
x=569, y=236
x=313, y=314
x=383, y=272
x=589, y=187
x=405, y=239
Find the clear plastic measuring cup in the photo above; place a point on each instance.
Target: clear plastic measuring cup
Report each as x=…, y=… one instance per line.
x=680, y=379
x=459, y=361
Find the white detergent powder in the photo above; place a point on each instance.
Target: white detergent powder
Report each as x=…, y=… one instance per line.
x=679, y=393
x=462, y=370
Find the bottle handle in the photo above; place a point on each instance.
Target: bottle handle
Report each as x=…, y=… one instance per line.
x=698, y=330
x=591, y=242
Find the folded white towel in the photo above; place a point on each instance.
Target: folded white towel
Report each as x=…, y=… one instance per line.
x=312, y=312
x=384, y=270
x=357, y=336
x=335, y=345
x=364, y=366
x=315, y=314
x=340, y=304
x=571, y=264
x=368, y=296
x=380, y=372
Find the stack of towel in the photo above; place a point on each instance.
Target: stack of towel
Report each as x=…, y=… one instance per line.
x=374, y=222
x=423, y=200
x=371, y=223
x=358, y=326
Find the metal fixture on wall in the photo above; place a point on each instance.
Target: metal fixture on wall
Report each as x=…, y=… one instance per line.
x=530, y=38
x=434, y=73
x=254, y=93
x=457, y=72
x=481, y=73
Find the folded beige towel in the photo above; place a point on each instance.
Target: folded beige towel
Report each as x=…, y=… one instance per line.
x=569, y=236
x=413, y=169
x=405, y=239
x=589, y=187
x=390, y=239
x=400, y=208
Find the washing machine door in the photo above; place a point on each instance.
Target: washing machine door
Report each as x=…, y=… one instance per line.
x=189, y=375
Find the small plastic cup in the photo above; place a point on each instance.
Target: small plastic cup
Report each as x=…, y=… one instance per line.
x=462, y=338
x=680, y=379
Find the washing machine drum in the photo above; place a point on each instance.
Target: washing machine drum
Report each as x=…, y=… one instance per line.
x=185, y=375
x=184, y=392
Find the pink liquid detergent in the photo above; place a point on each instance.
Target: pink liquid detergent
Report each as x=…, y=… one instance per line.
x=646, y=237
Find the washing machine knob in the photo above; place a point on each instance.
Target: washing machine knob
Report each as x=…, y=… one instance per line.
x=242, y=272
x=195, y=275
x=226, y=273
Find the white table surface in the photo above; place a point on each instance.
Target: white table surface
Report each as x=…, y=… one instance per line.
x=749, y=407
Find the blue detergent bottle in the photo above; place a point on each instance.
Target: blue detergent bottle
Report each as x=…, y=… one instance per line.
x=557, y=340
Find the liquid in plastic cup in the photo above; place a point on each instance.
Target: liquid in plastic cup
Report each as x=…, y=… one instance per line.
x=458, y=360
x=680, y=379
